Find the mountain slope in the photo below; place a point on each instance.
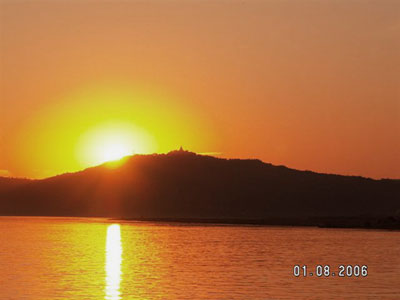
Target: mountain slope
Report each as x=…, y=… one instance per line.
x=185, y=185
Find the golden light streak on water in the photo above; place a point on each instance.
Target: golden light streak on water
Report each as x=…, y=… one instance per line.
x=113, y=262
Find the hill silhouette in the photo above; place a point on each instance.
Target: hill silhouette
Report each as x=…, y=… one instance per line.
x=182, y=185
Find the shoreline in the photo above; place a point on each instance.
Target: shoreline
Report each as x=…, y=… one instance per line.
x=329, y=222
x=373, y=223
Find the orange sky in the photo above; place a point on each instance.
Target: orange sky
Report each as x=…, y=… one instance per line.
x=308, y=84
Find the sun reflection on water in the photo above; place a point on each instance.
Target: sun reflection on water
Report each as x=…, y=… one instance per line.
x=113, y=262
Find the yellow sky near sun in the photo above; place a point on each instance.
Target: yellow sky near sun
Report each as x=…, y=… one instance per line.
x=75, y=132
x=308, y=84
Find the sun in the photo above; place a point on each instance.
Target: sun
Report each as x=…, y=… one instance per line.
x=112, y=148
x=111, y=142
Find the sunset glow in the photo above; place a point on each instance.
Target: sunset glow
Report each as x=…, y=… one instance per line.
x=98, y=124
x=113, y=150
x=111, y=142
x=199, y=149
x=287, y=83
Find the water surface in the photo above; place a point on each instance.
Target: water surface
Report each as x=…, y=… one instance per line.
x=78, y=258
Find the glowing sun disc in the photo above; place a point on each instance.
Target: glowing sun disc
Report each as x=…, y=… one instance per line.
x=112, y=149
x=111, y=142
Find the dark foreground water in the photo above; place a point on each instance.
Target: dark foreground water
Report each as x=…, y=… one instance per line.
x=76, y=258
